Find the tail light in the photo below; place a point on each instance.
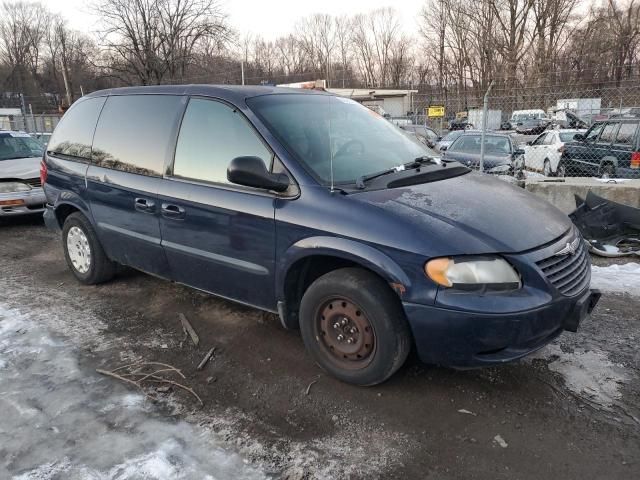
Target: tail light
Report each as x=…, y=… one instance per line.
x=43, y=172
x=561, y=149
x=635, y=160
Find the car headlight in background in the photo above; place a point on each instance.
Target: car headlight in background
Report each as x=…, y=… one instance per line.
x=13, y=187
x=473, y=272
x=500, y=169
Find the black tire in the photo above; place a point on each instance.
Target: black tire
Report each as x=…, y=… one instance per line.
x=545, y=169
x=378, y=306
x=561, y=171
x=100, y=267
x=607, y=170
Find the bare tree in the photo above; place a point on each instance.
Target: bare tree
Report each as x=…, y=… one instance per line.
x=23, y=27
x=148, y=40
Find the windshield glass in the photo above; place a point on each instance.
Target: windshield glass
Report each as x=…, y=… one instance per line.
x=451, y=136
x=19, y=145
x=319, y=128
x=567, y=136
x=494, y=145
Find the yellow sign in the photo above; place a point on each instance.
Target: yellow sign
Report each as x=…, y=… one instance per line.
x=435, y=111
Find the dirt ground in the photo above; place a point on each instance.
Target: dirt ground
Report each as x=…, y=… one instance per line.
x=572, y=411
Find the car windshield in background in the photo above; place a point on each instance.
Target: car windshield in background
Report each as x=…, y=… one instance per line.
x=494, y=145
x=451, y=136
x=317, y=129
x=19, y=145
x=567, y=136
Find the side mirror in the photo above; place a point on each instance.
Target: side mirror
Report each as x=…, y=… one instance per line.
x=252, y=172
x=579, y=137
x=443, y=148
x=530, y=143
x=518, y=151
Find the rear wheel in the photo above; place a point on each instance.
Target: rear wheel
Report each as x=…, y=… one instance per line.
x=353, y=326
x=84, y=254
x=561, y=171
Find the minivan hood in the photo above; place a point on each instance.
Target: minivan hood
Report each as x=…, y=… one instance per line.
x=23, y=168
x=472, y=214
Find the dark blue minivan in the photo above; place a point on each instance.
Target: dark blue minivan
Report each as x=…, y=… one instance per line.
x=316, y=208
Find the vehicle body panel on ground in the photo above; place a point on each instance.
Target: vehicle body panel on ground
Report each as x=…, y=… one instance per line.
x=20, y=188
x=164, y=201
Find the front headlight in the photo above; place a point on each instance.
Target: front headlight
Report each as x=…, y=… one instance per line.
x=500, y=169
x=473, y=272
x=13, y=187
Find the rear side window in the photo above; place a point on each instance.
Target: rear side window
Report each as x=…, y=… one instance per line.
x=627, y=133
x=609, y=133
x=74, y=133
x=135, y=133
x=212, y=134
x=594, y=132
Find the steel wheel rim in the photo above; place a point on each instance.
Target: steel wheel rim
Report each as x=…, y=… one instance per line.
x=345, y=333
x=78, y=249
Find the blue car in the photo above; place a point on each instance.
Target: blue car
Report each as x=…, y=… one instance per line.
x=317, y=209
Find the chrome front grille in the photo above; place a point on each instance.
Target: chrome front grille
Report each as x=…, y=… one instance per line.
x=569, y=272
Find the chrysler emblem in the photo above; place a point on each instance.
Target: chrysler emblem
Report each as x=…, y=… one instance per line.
x=570, y=248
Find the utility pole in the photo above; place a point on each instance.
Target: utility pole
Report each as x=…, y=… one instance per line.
x=242, y=70
x=485, y=105
x=23, y=109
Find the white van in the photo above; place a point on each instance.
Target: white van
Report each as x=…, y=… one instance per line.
x=520, y=115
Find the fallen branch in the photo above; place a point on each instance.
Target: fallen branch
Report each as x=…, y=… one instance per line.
x=186, y=326
x=206, y=358
x=144, y=364
x=126, y=380
x=309, y=387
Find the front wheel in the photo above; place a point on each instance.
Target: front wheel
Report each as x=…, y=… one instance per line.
x=84, y=254
x=354, y=327
x=546, y=169
x=607, y=171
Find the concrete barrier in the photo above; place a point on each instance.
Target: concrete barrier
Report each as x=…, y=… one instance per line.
x=561, y=194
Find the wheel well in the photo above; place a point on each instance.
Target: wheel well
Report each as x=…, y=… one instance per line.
x=303, y=273
x=63, y=211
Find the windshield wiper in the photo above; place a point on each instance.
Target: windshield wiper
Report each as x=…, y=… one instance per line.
x=415, y=163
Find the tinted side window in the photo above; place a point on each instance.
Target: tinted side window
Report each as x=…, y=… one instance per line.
x=550, y=139
x=608, y=133
x=540, y=139
x=627, y=133
x=212, y=134
x=74, y=133
x=135, y=132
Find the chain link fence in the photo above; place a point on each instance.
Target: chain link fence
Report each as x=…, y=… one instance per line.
x=44, y=123
x=535, y=132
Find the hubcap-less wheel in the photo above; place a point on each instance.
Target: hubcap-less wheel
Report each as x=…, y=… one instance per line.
x=547, y=168
x=79, y=249
x=345, y=333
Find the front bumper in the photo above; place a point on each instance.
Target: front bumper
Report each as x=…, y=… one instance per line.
x=466, y=339
x=22, y=203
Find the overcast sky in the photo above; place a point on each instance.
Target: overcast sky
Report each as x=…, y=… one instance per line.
x=270, y=18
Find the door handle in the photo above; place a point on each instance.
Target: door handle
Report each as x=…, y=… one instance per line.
x=173, y=211
x=144, y=205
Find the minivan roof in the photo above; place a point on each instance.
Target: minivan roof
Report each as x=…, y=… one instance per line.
x=229, y=92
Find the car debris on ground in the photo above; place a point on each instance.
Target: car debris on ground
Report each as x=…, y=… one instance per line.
x=610, y=229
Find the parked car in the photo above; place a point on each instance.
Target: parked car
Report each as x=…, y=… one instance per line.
x=446, y=141
x=500, y=153
x=532, y=126
x=20, y=189
x=460, y=124
x=543, y=153
x=608, y=149
x=304, y=204
x=506, y=125
x=427, y=135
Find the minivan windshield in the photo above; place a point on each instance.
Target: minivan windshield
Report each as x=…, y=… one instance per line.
x=19, y=145
x=319, y=129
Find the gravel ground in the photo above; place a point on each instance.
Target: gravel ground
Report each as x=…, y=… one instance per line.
x=570, y=411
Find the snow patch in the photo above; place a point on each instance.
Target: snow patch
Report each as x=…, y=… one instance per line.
x=623, y=278
x=589, y=374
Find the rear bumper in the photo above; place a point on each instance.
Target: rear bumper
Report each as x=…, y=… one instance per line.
x=22, y=203
x=466, y=339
